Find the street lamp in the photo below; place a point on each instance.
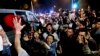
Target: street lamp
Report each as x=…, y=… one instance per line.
x=74, y=6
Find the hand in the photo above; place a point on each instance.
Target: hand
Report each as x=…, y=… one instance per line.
x=80, y=40
x=17, y=24
x=59, y=52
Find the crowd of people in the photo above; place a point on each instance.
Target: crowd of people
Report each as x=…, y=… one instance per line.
x=71, y=33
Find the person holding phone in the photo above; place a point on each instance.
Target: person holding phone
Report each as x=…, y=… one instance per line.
x=83, y=40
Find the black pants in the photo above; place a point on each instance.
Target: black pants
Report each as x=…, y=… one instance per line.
x=0, y=53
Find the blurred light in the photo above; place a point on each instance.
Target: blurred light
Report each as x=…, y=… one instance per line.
x=41, y=14
x=49, y=15
x=73, y=9
x=82, y=9
x=74, y=6
x=42, y=21
x=59, y=9
x=26, y=6
x=54, y=6
x=51, y=11
x=35, y=0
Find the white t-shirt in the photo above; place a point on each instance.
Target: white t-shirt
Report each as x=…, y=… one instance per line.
x=1, y=44
x=54, y=34
x=22, y=52
x=72, y=16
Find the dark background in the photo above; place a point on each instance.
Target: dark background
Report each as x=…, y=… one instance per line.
x=16, y=4
x=95, y=4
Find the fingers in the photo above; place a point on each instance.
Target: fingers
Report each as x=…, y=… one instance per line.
x=15, y=20
x=17, y=24
x=23, y=26
x=19, y=20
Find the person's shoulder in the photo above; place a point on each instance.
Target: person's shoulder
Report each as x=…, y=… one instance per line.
x=44, y=34
x=54, y=44
x=22, y=52
x=55, y=33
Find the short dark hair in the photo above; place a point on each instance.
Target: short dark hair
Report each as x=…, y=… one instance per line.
x=49, y=24
x=50, y=35
x=83, y=30
x=83, y=23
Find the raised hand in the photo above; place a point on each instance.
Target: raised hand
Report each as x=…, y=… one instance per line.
x=17, y=24
x=18, y=27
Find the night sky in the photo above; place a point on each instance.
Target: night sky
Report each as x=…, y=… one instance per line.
x=95, y=4
x=43, y=4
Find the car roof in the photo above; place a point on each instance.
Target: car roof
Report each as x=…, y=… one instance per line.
x=11, y=10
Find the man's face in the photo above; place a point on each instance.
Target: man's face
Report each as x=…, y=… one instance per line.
x=36, y=35
x=70, y=32
x=49, y=39
x=81, y=35
x=49, y=28
x=98, y=25
x=81, y=26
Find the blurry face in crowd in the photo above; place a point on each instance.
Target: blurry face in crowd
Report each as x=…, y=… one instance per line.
x=93, y=11
x=2, y=32
x=81, y=34
x=79, y=12
x=81, y=37
x=98, y=25
x=81, y=26
x=49, y=28
x=36, y=35
x=82, y=11
x=49, y=39
x=70, y=32
x=77, y=22
x=26, y=38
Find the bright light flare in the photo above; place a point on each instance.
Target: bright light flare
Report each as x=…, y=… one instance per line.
x=74, y=6
x=51, y=11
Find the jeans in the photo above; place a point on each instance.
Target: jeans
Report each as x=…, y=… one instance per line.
x=6, y=51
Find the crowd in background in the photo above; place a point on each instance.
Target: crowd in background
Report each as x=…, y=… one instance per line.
x=68, y=33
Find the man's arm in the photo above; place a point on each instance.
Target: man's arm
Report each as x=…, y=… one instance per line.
x=17, y=41
x=18, y=27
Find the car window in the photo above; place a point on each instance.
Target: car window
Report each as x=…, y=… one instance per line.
x=22, y=15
